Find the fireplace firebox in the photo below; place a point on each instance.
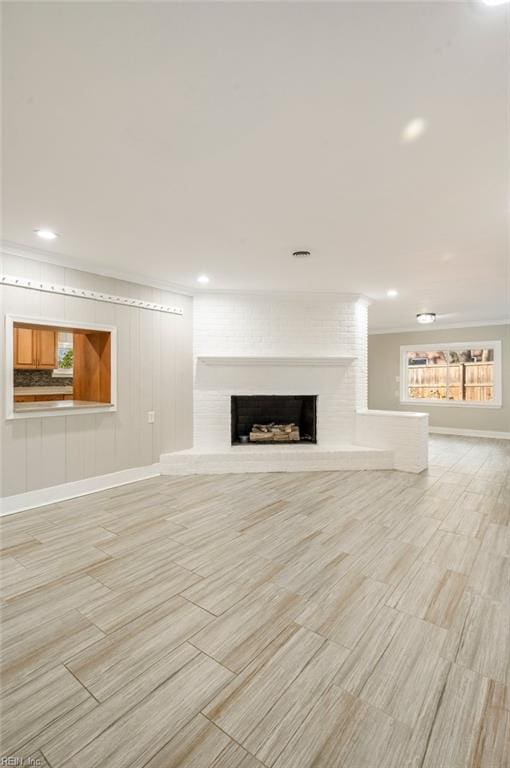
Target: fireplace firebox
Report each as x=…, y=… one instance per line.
x=270, y=419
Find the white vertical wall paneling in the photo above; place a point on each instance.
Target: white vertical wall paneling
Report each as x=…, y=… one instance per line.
x=104, y=424
x=156, y=379
x=14, y=444
x=184, y=382
x=135, y=377
x=54, y=458
x=79, y=430
x=141, y=383
x=146, y=384
x=154, y=360
x=52, y=305
x=14, y=454
x=34, y=454
x=123, y=449
x=168, y=391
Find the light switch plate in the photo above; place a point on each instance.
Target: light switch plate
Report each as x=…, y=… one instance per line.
x=151, y=416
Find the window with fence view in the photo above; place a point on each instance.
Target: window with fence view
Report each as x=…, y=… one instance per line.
x=450, y=374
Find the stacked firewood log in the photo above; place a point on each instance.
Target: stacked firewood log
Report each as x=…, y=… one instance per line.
x=274, y=433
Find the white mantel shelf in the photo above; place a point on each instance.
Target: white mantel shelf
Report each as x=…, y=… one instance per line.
x=252, y=360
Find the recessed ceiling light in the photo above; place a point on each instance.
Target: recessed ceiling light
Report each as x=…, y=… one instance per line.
x=301, y=254
x=426, y=317
x=495, y=2
x=392, y=293
x=413, y=130
x=203, y=279
x=46, y=234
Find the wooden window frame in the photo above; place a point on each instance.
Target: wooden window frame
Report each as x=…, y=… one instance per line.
x=445, y=346
x=11, y=320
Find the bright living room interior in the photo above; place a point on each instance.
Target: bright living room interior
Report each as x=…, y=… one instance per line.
x=255, y=414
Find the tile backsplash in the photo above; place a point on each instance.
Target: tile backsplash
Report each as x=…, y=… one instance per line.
x=36, y=378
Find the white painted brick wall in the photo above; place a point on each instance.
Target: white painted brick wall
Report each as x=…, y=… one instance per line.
x=405, y=433
x=276, y=325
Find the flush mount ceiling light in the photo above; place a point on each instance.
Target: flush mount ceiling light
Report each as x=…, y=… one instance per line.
x=203, y=279
x=46, y=234
x=413, y=130
x=495, y=2
x=301, y=254
x=391, y=293
x=426, y=317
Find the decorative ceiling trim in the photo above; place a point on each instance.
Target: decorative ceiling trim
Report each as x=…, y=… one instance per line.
x=436, y=327
x=84, y=293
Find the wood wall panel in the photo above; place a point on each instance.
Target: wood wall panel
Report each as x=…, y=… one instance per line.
x=154, y=373
x=92, y=366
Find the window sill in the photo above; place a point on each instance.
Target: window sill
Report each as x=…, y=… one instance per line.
x=449, y=403
x=58, y=408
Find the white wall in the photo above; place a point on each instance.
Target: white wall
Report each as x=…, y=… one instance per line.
x=154, y=373
x=384, y=367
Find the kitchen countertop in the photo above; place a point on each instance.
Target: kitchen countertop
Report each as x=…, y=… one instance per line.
x=43, y=390
x=58, y=405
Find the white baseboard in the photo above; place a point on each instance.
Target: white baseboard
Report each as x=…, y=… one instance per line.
x=42, y=496
x=470, y=432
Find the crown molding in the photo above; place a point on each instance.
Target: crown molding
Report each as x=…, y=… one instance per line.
x=61, y=260
x=261, y=293
x=436, y=327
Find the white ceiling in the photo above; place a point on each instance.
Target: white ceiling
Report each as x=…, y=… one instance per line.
x=168, y=140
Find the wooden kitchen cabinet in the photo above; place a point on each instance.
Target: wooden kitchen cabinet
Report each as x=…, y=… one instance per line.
x=46, y=349
x=35, y=348
x=24, y=348
x=40, y=398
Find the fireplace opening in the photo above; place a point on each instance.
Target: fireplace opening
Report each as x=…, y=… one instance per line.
x=273, y=419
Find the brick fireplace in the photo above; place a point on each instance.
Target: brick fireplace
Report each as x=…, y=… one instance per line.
x=263, y=347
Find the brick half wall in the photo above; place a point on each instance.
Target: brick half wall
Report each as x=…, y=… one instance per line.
x=406, y=434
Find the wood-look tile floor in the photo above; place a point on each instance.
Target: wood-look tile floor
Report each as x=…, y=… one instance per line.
x=346, y=620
